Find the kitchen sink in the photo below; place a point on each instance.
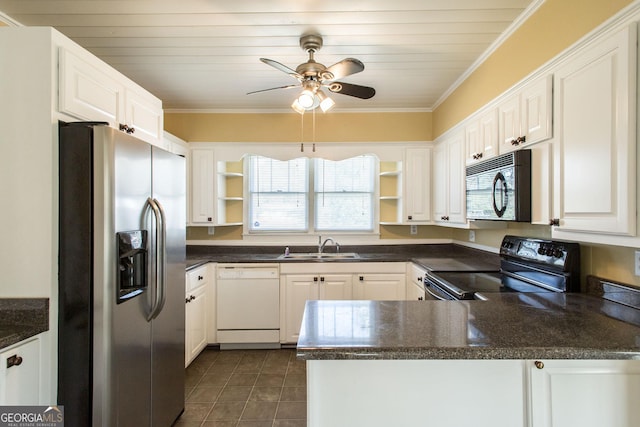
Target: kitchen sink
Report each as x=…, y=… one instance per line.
x=320, y=256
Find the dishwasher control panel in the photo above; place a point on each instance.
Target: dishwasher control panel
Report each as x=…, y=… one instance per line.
x=248, y=271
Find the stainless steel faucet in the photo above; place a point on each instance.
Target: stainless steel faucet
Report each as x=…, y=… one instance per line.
x=322, y=244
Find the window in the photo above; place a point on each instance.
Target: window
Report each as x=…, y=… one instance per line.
x=344, y=193
x=319, y=195
x=278, y=194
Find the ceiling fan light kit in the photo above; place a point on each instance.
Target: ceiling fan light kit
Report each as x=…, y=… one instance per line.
x=312, y=76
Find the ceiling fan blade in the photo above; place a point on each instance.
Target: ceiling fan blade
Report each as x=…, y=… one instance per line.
x=281, y=67
x=363, y=92
x=344, y=68
x=273, y=88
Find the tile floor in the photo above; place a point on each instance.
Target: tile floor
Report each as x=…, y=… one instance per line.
x=245, y=388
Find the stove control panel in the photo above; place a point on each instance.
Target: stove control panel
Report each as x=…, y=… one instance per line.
x=550, y=252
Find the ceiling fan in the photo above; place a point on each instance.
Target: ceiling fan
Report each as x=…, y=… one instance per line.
x=312, y=76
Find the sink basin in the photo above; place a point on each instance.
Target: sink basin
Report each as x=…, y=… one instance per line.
x=322, y=256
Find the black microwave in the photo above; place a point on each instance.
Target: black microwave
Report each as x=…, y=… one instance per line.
x=500, y=188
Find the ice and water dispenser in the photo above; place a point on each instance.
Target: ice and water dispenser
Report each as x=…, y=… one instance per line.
x=132, y=264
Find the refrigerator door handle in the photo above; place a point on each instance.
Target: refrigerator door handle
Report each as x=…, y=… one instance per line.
x=159, y=258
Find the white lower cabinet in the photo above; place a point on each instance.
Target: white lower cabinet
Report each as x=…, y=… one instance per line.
x=302, y=282
x=300, y=288
x=21, y=373
x=415, y=282
x=585, y=393
x=380, y=287
x=196, y=312
x=413, y=393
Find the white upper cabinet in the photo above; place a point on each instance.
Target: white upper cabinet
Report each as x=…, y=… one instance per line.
x=481, y=137
x=202, y=186
x=91, y=90
x=417, y=188
x=595, y=148
x=88, y=93
x=525, y=117
x=449, y=181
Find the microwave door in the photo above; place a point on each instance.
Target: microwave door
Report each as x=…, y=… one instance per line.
x=499, y=194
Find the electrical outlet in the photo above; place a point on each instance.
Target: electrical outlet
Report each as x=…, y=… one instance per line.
x=414, y=229
x=637, y=262
x=472, y=236
x=210, y=231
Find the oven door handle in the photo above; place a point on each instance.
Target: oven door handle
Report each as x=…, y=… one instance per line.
x=503, y=194
x=436, y=296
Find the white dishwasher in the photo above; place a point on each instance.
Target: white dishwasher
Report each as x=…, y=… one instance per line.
x=248, y=305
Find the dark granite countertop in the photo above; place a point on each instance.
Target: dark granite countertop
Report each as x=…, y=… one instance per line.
x=22, y=318
x=508, y=326
x=199, y=255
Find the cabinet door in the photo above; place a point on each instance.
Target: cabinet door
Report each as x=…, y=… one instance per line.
x=417, y=186
x=509, y=123
x=589, y=393
x=472, y=141
x=196, y=323
x=595, y=148
x=87, y=93
x=456, y=174
x=202, y=184
x=380, y=287
x=488, y=132
x=144, y=114
x=440, y=181
x=541, y=187
x=335, y=287
x=20, y=383
x=298, y=290
x=535, y=110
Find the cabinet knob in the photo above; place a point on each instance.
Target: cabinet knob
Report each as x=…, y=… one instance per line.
x=420, y=279
x=420, y=298
x=361, y=278
x=539, y=364
x=14, y=360
x=191, y=298
x=315, y=279
x=554, y=221
x=186, y=300
x=126, y=128
x=200, y=278
x=409, y=217
x=209, y=219
x=322, y=279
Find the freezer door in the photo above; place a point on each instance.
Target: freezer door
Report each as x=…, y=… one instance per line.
x=167, y=383
x=121, y=369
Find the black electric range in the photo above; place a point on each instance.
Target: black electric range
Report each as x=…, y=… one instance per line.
x=526, y=265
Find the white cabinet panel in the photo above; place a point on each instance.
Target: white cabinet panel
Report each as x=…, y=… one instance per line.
x=380, y=287
x=449, y=181
x=488, y=133
x=525, y=117
x=417, y=179
x=202, y=185
x=20, y=374
x=585, y=393
x=595, y=151
x=197, y=311
x=144, y=114
x=88, y=93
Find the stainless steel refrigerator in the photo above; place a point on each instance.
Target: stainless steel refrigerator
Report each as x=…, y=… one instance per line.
x=121, y=279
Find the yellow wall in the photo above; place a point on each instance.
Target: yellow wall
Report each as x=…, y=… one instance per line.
x=552, y=28
x=288, y=127
x=555, y=26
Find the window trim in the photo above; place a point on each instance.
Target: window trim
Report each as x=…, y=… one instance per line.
x=248, y=234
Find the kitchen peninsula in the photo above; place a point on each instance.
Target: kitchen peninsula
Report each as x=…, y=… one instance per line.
x=480, y=363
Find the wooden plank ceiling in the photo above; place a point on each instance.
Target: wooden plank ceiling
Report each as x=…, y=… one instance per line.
x=204, y=54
